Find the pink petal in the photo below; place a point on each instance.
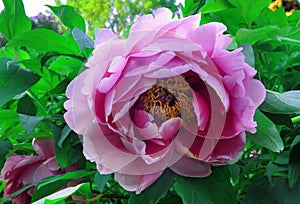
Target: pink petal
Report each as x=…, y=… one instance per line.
x=256, y=91
x=136, y=183
x=170, y=128
x=228, y=149
x=115, y=71
x=210, y=36
x=201, y=109
x=78, y=115
x=97, y=148
x=104, y=35
x=44, y=147
x=191, y=167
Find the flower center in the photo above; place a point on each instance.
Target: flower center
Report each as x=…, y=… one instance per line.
x=168, y=98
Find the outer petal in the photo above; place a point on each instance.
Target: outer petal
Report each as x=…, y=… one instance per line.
x=136, y=183
x=97, y=148
x=103, y=36
x=44, y=147
x=190, y=167
x=228, y=149
x=210, y=36
x=78, y=115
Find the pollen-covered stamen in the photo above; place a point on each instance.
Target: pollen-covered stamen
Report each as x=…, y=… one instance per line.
x=168, y=98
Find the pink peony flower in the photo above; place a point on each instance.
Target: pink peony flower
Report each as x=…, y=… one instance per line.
x=20, y=171
x=169, y=96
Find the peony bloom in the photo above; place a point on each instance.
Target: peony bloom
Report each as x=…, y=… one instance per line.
x=20, y=170
x=169, y=96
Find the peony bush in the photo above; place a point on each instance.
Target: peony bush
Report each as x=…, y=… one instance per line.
x=196, y=107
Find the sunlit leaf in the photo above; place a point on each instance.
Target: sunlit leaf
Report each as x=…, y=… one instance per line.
x=69, y=16
x=45, y=40
x=13, y=19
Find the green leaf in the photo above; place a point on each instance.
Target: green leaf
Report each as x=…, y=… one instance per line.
x=249, y=54
x=62, y=194
x=66, y=65
x=5, y=146
x=282, y=103
x=30, y=122
x=51, y=184
x=14, y=80
x=250, y=9
x=215, y=6
x=294, y=164
x=26, y=106
x=253, y=36
x=280, y=119
x=64, y=134
x=156, y=191
x=171, y=198
x=261, y=191
x=273, y=168
x=277, y=17
x=13, y=19
x=101, y=180
x=82, y=39
x=71, y=150
x=69, y=16
x=266, y=133
x=215, y=188
x=45, y=40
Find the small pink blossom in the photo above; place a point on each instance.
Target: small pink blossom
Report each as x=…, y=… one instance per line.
x=20, y=170
x=169, y=96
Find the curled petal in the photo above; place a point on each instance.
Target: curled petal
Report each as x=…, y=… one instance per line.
x=136, y=183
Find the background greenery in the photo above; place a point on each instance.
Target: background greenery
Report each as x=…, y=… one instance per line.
x=38, y=62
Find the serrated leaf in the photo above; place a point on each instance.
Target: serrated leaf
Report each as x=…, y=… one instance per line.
x=30, y=122
x=266, y=133
x=282, y=103
x=69, y=16
x=13, y=19
x=215, y=188
x=156, y=191
x=14, y=80
x=45, y=40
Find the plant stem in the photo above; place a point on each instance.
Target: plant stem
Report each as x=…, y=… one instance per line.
x=296, y=119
